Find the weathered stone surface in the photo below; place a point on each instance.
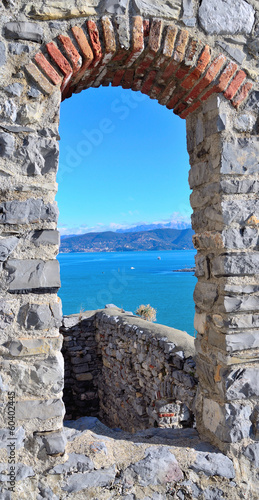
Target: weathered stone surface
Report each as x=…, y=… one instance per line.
x=40, y=316
x=240, y=156
x=242, y=341
x=97, y=478
x=236, y=264
x=25, y=212
x=252, y=103
x=171, y=9
x=46, y=493
x=55, y=443
x=24, y=31
x=243, y=238
x=6, y=314
x=2, y=54
x=235, y=53
x=62, y=9
x=19, y=436
x=188, y=13
x=7, y=246
x=32, y=347
x=46, y=237
x=252, y=452
x=213, y=494
x=76, y=463
x=23, y=471
x=205, y=295
x=43, y=410
x=32, y=274
x=116, y=6
x=6, y=144
x=226, y=16
x=15, y=89
x=214, y=464
x=18, y=49
x=239, y=303
x=8, y=111
x=245, y=122
x=40, y=156
x=158, y=467
x=242, y=383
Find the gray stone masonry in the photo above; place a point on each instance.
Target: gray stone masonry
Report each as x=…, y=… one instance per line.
x=200, y=59
x=130, y=373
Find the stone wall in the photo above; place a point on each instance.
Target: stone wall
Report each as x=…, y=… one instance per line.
x=130, y=373
x=199, y=59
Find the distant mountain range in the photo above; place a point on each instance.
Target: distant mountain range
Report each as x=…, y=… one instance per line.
x=156, y=239
x=160, y=225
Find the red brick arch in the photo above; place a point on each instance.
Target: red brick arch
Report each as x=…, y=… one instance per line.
x=163, y=61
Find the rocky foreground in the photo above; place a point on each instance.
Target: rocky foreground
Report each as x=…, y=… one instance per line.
x=154, y=464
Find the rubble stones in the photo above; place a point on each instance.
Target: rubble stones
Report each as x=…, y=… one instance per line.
x=214, y=464
x=226, y=16
x=98, y=478
x=6, y=144
x=7, y=246
x=252, y=453
x=27, y=212
x=2, y=54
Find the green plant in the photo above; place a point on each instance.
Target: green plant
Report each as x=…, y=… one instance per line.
x=146, y=312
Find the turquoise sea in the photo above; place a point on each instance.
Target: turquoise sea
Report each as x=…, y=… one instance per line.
x=128, y=279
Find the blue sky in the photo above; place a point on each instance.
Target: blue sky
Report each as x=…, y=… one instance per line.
x=123, y=161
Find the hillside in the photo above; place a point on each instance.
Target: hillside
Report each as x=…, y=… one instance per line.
x=159, y=239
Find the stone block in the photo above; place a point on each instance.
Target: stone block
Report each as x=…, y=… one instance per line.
x=26, y=212
x=76, y=463
x=118, y=7
x=242, y=264
x=242, y=341
x=226, y=16
x=214, y=464
x=239, y=211
x=205, y=295
x=234, y=52
x=230, y=422
x=46, y=237
x=252, y=103
x=19, y=436
x=39, y=156
x=241, y=303
x=188, y=17
x=245, y=122
x=243, y=238
x=7, y=246
x=7, y=144
x=159, y=466
x=40, y=409
x=62, y=9
x=2, y=54
x=55, y=443
x=240, y=156
x=170, y=9
x=24, y=31
x=99, y=478
x=18, y=49
x=241, y=383
x=32, y=275
x=34, y=347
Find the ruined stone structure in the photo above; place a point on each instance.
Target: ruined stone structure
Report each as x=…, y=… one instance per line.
x=200, y=59
x=130, y=373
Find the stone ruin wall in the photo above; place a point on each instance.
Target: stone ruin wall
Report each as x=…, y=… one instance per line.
x=130, y=373
x=199, y=59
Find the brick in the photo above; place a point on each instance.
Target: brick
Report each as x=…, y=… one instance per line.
x=146, y=27
x=178, y=110
x=148, y=82
x=44, y=85
x=188, y=61
x=153, y=47
x=208, y=78
x=165, y=96
x=71, y=52
x=190, y=109
x=61, y=62
x=128, y=79
x=223, y=80
x=155, y=92
x=95, y=41
x=242, y=94
x=83, y=45
x=175, y=99
x=178, y=54
x=235, y=85
x=137, y=84
x=46, y=67
x=118, y=77
x=195, y=75
x=168, y=47
x=109, y=36
x=108, y=78
x=137, y=40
